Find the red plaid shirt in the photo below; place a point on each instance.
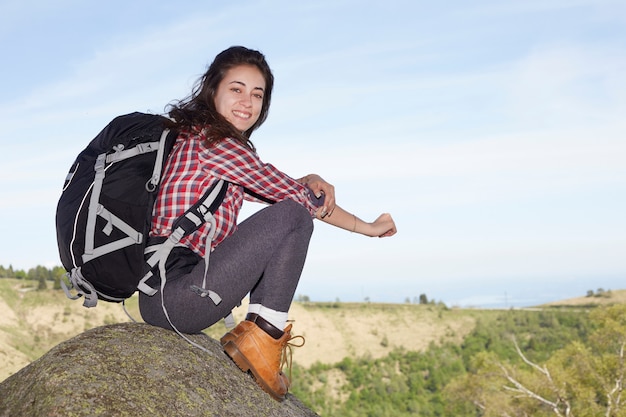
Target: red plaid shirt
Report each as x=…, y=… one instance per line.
x=191, y=168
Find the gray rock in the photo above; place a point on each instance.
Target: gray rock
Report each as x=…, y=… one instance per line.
x=134, y=369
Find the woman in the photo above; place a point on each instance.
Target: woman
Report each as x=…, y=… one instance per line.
x=265, y=254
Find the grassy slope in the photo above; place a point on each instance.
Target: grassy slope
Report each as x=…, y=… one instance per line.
x=608, y=297
x=31, y=322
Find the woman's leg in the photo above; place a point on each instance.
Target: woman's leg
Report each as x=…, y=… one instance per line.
x=264, y=257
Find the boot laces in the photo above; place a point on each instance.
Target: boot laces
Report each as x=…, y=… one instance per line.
x=286, y=354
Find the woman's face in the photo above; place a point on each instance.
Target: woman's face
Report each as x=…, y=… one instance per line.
x=239, y=96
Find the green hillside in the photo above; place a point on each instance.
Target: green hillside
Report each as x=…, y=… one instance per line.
x=367, y=359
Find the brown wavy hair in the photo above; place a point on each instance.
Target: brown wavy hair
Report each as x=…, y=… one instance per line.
x=198, y=109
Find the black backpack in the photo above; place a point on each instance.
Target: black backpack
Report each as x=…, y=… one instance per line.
x=104, y=213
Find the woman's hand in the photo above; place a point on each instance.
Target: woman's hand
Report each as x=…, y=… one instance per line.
x=383, y=226
x=319, y=187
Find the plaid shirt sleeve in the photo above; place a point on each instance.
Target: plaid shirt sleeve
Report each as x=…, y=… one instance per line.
x=239, y=165
x=192, y=168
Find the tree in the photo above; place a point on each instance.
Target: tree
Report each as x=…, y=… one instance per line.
x=581, y=379
x=423, y=299
x=303, y=298
x=57, y=275
x=41, y=284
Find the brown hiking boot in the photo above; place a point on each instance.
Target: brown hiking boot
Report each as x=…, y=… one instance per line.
x=244, y=326
x=254, y=350
x=240, y=329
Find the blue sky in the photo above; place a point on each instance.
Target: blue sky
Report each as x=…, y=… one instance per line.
x=493, y=131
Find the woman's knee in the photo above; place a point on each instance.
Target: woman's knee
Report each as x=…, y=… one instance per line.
x=297, y=213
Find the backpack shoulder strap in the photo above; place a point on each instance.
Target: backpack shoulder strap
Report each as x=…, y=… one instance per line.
x=189, y=222
x=194, y=217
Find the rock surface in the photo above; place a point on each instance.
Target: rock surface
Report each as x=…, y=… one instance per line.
x=134, y=369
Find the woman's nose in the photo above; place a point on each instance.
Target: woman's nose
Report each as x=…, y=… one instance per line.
x=246, y=101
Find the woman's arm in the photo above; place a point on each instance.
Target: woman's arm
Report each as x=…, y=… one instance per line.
x=331, y=213
x=383, y=226
x=237, y=164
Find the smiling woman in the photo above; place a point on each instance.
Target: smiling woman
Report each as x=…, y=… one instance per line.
x=263, y=255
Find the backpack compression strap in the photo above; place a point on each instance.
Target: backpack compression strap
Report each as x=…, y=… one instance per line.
x=76, y=280
x=133, y=237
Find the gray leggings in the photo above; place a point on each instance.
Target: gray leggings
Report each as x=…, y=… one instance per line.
x=264, y=257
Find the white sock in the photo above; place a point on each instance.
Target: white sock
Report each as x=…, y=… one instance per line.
x=254, y=308
x=277, y=319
